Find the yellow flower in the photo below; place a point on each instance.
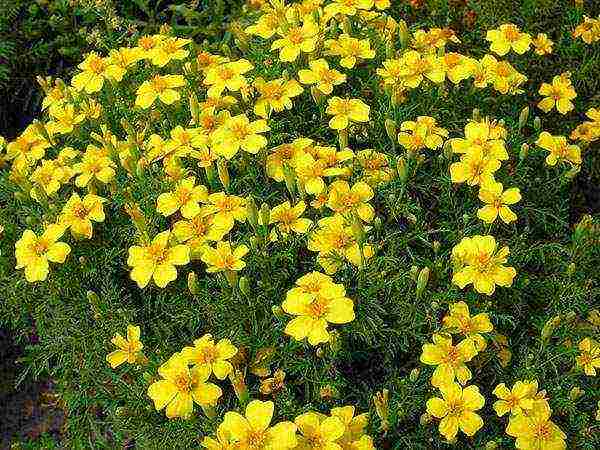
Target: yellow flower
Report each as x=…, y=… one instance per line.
x=157, y=261
x=285, y=155
x=392, y=72
x=350, y=50
x=417, y=67
x=95, y=165
x=543, y=45
x=129, y=349
x=289, y=218
x=206, y=352
x=345, y=200
x=354, y=437
x=322, y=76
x=33, y=252
x=181, y=387
x=317, y=301
x=198, y=232
x=515, y=401
x=588, y=131
x=559, y=94
x=265, y=27
x=28, y=147
x=239, y=133
x=449, y=359
x=482, y=264
x=485, y=137
x=507, y=37
x=474, y=168
x=275, y=95
x=456, y=409
x=559, y=149
x=504, y=77
x=169, y=49
x=185, y=141
x=536, y=431
x=185, y=198
x=347, y=7
x=296, y=39
x=91, y=78
x=588, y=30
x=589, y=356
x=497, y=199
x=253, y=431
x=50, y=176
x=345, y=111
x=456, y=66
x=375, y=167
x=335, y=242
x=318, y=431
x=459, y=320
x=226, y=209
x=424, y=132
x=120, y=60
x=148, y=42
x=65, y=118
x=434, y=39
x=227, y=76
x=224, y=258
x=78, y=214
x=162, y=87
x=224, y=440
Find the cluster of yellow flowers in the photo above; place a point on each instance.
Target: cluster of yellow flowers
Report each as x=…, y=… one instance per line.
x=588, y=30
x=227, y=113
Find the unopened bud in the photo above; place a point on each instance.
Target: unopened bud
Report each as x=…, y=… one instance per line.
x=491, y=445
x=424, y=419
x=575, y=393
x=571, y=269
x=422, y=280
x=382, y=408
x=549, y=327
x=278, y=312
x=414, y=374
x=239, y=386
x=317, y=95
x=252, y=212
x=476, y=115
x=403, y=33
x=194, y=108
x=414, y=273
x=290, y=179
x=223, y=173
x=402, y=169
x=537, y=123
x=524, y=151
x=390, y=128
x=265, y=214
x=343, y=138
x=192, y=282
x=94, y=302
x=447, y=149
x=436, y=247
x=523, y=116
x=244, y=285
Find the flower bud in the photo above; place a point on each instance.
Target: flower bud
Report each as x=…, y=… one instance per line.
x=94, y=302
x=549, y=328
x=402, y=169
x=414, y=273
x=194, y=108
x=244, y=286
x=328, y=392
x=476, y=115
x=447, y=149
x=390, y=128
x=316, y=95
x=436, y=247
x=252, y=212
x=424, y=419
x=403, y=33
x=537, y=124
x=575, y=393
x=239, y=386
x=278, y=312
x=414, y=374
x=343, y=138
x=523, y=116
x=223, y=173
x=265, y=214
x=382, y=408
x=491, y=445
x=192, y=282
x=524, y=151
x=571, y=269
x=422, y=280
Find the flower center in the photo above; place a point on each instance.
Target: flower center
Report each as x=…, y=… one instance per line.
x=183, y=383
x=159, y=84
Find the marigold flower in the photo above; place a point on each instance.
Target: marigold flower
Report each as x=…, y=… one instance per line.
x=157, y=261
x=449, y=359
x=91, y=78
x=542, y=44
x=589, y=356
x=239, y=133
x=354, y=437
x=559, y=94
x=516, y=401
x=310, y=172
x=64, y=118
x=483, y=136
x=296, y=39
x=215, y=356
x=223, y=257
x=95, y=165
x=433, y=39
x=416, y=67
x=78, y=214
x=253, y=430
x=482, y=264
x=497, y=199
x=507, y=37
x=162, y=87
x=535, y=430
x=129, y=349
x=588, y=131
x=456, y=66
x=275, y=95
x=375, y=167
x=559, y=149
x=504, y=77
x=321, y=75
x=318, y=431
x=185, y=141
x=167, y=50
x=120, y=60
x=289, y=218
x=457, y=409
x=345, y=111
x=50, y=176
x=588, y=30
x=33, y=252
x=28, y=147
x=185, y=198
x=197, y=232
x=459, y=320
x=227, y=76
x=226, y=209
x=424, y=132
x=335, y=242
x=266, y=26
x=350, y=50
x=474, y=169
x=181, y=387
x=285, y=155
x=344, y=199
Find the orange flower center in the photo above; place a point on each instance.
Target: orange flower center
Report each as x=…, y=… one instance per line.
x=256, y=439
x=295, y=36
x=80, y=211
x=317, y=308
x=183, y=383
x=512, y=33
x=157, y=253
x=159, y=84
x=41, y=247
x=543, y=431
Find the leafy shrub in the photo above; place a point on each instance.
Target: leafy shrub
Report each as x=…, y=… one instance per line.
x=323, y=199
